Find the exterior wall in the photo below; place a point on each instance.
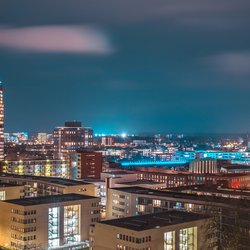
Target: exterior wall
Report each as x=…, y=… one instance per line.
x=48, y=168
x=106, y=237
x=89, y=213
x=124, y=204
x=36, y=188
x=89, y=164
x=69, y=139
x=14, y=192
x=203, y=166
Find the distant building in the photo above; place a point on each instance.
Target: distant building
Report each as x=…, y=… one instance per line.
x=52, y=222
x=108, y=141
x=1, y=124
x=88, y=164
x=204, y=166
x=17, y=137
x=169, y=230
x=48, y=168
x=70, y=138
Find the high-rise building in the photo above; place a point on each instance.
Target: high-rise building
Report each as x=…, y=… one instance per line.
x=70, y=138
x=1, y=124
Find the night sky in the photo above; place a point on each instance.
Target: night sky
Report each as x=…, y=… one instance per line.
x=126, y=66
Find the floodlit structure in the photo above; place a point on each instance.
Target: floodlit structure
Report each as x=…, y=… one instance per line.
x=52, y=222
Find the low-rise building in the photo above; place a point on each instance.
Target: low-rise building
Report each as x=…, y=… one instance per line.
x=35, y=186
x=52, y=222
x=230, y=215
x=10, y=191
x=169, y=230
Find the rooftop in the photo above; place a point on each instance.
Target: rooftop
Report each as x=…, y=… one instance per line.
x=5, y=184
x=152, y=221
x=239, y=203
x=49, y=199
x=53, y=180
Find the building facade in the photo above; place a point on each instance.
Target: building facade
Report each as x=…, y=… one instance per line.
x=1, y=124
x=70, y=138
x=163, y=231
x=53, y=222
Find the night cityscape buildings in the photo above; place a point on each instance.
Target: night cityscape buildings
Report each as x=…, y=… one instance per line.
x=164, y=87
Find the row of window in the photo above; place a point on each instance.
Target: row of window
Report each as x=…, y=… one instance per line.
x=23, y=221
x=29, y=212
x=23, y=230
x=23, y=238
x=121, y=247
x=133, y=239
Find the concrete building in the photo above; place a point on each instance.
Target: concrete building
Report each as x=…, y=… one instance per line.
x=37, y=186
x=203, y=166
x=48, y=168
x=52, y=222
x=70, y=138
x=163, y=231
x=88, y=164
x=1, y=124
x=230, y=215
x=10, y=191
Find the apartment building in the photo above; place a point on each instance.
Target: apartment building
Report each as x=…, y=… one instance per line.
x=52, y=222
x=230, y=215
x=161, y=231
x=36, y=186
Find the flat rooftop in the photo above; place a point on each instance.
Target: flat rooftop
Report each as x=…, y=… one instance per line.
x=142, y=182
x=53, y=180
x=152, y=221
x=121, y=172
x=239, y=203
x=49, y=199
x=5, y=184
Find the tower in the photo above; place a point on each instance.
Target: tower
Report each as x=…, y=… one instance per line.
x=1, y=124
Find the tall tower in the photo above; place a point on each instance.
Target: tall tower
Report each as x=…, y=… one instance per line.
x=1, y=124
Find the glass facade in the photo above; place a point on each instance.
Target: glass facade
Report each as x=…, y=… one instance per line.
x=72, y=224
x=169, y=241
x=2, y=195
x=188, y=238
x=54, y=227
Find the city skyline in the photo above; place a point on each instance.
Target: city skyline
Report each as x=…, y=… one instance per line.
x=166, y=67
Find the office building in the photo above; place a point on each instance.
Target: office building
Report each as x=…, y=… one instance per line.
x=37, y=186
x=231, y=215
x=52, y=222
x=70, y=138
x=203, y=166
x=47, y=168
x=88, y=164
x=161, y=231
x=10, y=191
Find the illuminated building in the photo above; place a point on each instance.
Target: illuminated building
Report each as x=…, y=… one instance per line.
x=47, y=168
x=36, y=186
x=52, y=222
x=108, y=141
x=70, y=138
x=88, y=164
x=230, y=214
x=161, y=231
x=1, y=124
x=18, y=137
x=203, y=166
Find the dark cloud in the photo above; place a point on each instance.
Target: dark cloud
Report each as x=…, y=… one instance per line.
x=177, y=65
